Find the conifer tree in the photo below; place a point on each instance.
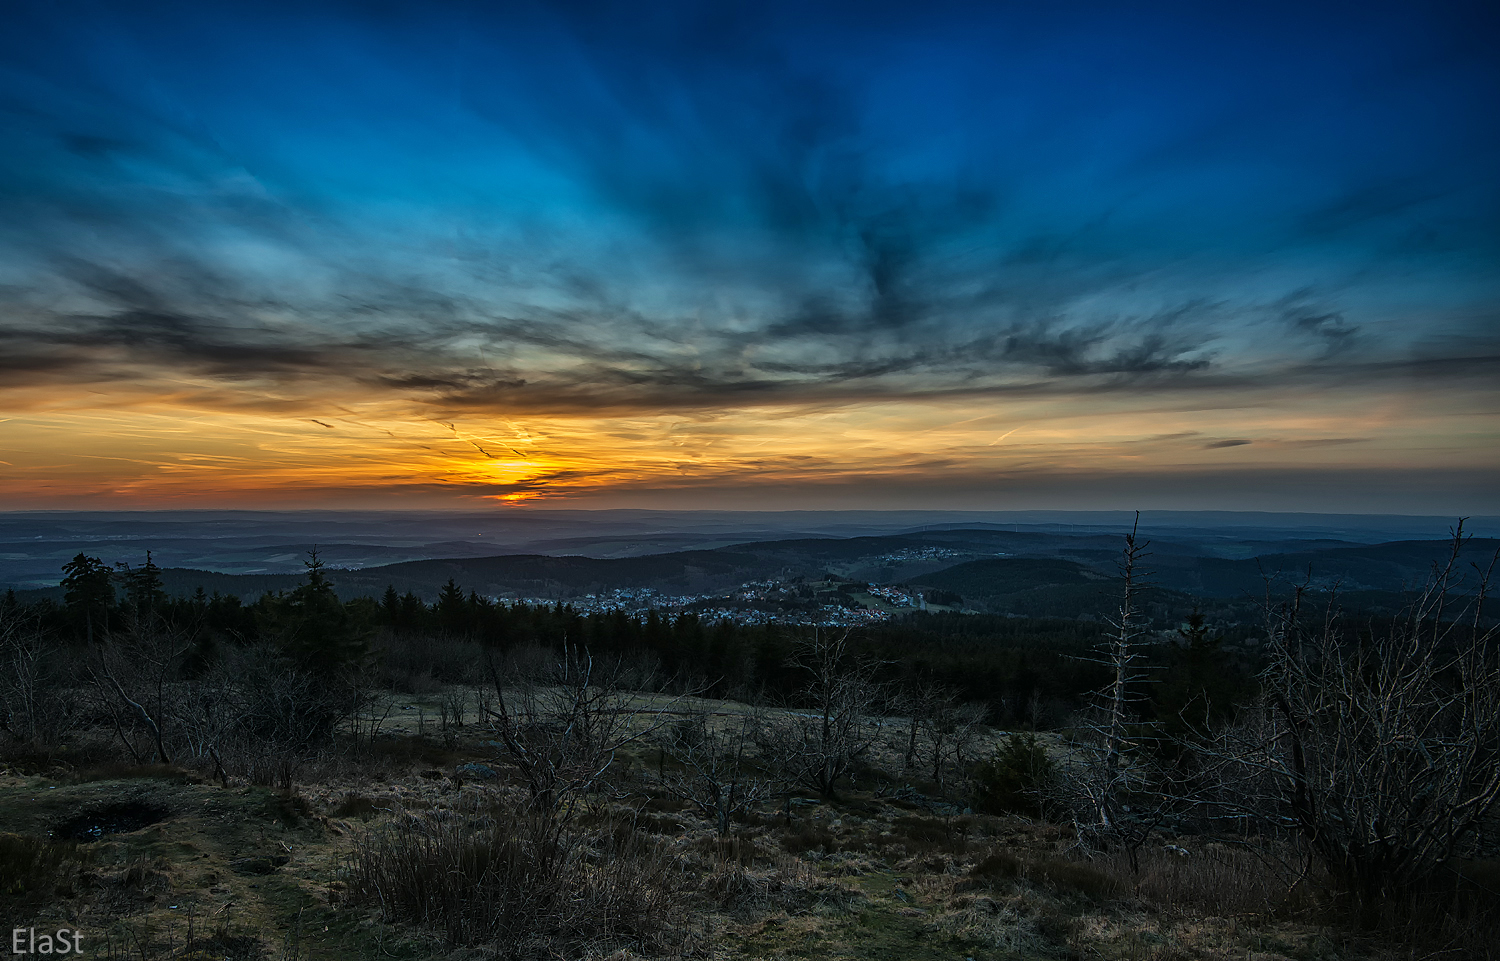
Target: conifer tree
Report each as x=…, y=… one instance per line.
x=314, y=626
x=87, y=591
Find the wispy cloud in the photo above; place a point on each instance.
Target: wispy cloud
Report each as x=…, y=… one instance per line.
x=696, y=212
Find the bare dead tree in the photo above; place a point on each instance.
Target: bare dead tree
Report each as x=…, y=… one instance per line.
x=1380, y=749
x=132, y=674
x=1115, y=794
x=717, y=775
x=561, y=722
x=1123, y=654
x=941, y=731
x=33, y=706
x=819, y=741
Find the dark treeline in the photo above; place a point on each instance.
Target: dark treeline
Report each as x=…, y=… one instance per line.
x=1025, y=671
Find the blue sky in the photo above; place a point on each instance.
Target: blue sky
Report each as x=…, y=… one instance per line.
x=473, y=213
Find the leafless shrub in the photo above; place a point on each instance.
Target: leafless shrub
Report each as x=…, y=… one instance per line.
x=717, y=775
x=133, y=674
x=1381, y=751
x=370, y=711
x=271, y=716
x=453, y=707
x=519, y=881
x=289, y=706
x=254, y=712
x=820, y=741
x=561, y=721
x=211, y=712
x=35, y=707
x=941, y=732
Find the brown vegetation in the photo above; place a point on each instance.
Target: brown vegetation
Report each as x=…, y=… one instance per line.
x=313, y=799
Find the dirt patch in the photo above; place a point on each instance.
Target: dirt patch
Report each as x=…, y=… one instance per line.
x=120, y=817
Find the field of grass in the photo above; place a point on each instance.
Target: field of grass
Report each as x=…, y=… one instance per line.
x=166, y=863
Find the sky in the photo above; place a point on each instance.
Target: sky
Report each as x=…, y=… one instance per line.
x=750, y=255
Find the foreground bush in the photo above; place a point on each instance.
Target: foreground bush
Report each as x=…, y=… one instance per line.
x=1017, y=779
x=1378, y=748
x=521, y=884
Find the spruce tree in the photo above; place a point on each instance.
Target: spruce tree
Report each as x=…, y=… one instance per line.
x=88, y=592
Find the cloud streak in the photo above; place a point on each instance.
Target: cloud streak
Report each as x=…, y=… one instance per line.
x=447, y=351
x=686, y=211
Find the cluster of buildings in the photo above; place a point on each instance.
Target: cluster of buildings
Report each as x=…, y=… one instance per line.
x=826, y=615
x=898, y=596
x=921, y=554
x=632, y=600
x=756, y=602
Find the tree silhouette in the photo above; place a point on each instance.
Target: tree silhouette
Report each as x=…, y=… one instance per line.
x=88, y=591
x=144, y=593
x=314, y=626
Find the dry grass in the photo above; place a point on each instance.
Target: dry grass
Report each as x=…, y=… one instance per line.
x=33, y=869
x=1053, y=874
x=393, y=853
x=520, y=884
x=1215, y=879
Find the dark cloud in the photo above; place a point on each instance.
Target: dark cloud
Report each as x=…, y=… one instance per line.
x=1082, y=352
x=92, y=146
x=1372, y=204
x=451, y=352
x=1218, y=444
x=1305, y=315
x=775, y=204
x=1340, y=490
x=1323, y=442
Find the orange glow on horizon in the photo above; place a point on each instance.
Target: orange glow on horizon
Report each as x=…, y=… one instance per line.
x=179, y=451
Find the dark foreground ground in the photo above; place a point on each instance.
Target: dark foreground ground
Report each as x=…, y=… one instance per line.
x=160, y=862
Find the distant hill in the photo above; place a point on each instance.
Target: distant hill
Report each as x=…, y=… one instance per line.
x=1394, y=566
x=1009, y=575
x=1029, y=572
x=1369, y=577
x=1036, y=587
x=540, y=575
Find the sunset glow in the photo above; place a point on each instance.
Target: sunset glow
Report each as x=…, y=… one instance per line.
x=759, y=259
